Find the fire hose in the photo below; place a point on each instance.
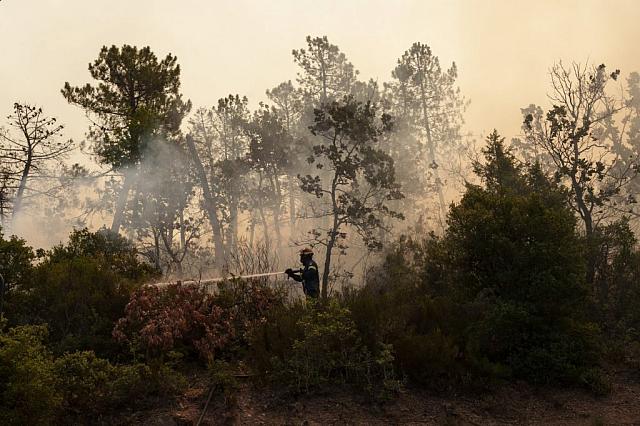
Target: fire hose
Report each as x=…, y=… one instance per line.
x=228, y=278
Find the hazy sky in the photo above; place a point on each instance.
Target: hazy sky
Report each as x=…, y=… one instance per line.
x=503, y=49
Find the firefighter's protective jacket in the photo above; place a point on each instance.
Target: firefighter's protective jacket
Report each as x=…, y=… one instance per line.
x=309, y=278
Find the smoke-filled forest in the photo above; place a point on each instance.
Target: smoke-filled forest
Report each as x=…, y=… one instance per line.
x=339, y=248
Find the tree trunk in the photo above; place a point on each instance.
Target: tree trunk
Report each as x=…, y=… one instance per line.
x=265, y=226
x=121, y=203
x=432, y=155
x=209, y=204
x=332, y=238
x=585, y=215
x=156, y=250
x=183, y=237
x=277, y=208
x=233, y=225
x=17, y=204
x=292, y=205
x=252, y=229
x=327, y=259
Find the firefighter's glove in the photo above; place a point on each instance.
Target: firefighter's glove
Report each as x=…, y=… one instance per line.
x=289, y=272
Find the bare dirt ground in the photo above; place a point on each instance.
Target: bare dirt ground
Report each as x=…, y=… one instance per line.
x=515, y=404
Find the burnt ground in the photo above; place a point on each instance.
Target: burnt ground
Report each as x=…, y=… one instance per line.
x=513, y=404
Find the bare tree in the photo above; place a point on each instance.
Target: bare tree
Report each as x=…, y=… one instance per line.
x=28, y=150
x=576, y=133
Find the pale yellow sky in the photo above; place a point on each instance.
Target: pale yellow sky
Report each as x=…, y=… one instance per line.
x=503, y=48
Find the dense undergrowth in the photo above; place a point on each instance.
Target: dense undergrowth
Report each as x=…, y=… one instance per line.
x=501, y=296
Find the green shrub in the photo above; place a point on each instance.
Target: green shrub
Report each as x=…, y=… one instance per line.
x=248, y=303
x=323, y=347
x=16, y=268
x=85, y=383
x=80, y=290
x=91, y=386
x=429, y=359
x=534, y=348
x=108, y=249
x=596, y=381
x=616, y=290
x=28, y=383
x=273, y=338
x=427, y=334
x=512, y=247
x=223, y=381
x=501, y=293
x=136, y=382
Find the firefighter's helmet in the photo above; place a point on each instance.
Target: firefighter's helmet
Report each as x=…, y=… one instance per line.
x=306, y=252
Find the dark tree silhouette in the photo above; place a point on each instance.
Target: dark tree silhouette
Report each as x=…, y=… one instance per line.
x=358, y=180
x=136, y=100
x=27, y=151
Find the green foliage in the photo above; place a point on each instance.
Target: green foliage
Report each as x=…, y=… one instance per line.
x=85, y=382
x=425, y=331
x=133, y=382
x=92, y=387
x=501, y=294
x=28, y=383
x=222, y=379
x=616, y=290
x=16, y=262
x=323, y=347
x=108, y=249
x=355, y=177
x=136, y=98
x=248, y=303
x=80, y=290
x=272, y=339
x=36, y=388
x=513, y=246
x=325, y=72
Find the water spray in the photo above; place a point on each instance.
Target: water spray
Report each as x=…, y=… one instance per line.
x=221, y=279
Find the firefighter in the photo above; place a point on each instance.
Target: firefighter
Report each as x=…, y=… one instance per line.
x=308, y=275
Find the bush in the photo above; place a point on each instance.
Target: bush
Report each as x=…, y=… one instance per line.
x=186, y=318
x=223, y=381
x=248, y=303
x=16, y=268
x=135, y=382
x=533, y=347
x=80, y=290
x=28, y=383
x=178, y=317
x=323, y=347
x=108, y=249
x=616, y=291
x=92, y=387
x=85, y=383
x=273, y=338
x=501, y=293
x=512, y=246
x=427, y=334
